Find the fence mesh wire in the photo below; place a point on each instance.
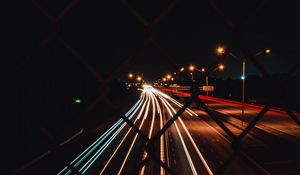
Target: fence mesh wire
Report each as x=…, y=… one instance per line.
x=236, y=44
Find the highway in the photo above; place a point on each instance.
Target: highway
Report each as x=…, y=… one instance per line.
x=194, y=144
x=272, y=144
x=119, y=150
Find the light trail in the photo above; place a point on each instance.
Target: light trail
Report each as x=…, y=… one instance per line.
x=193, y=142
x=181, y=139
x=149, y=98
x=87, y=165
x=151, y=129
x=162, y=149
x=116, y=150
x=188, y=110
x=100, y=151
x=131, y=146
x=96, y=143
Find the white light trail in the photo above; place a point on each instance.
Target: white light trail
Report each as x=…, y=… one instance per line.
x=181, y=139
x=188, y=110
x=162, y=144
x=151, y=129
x=100, y=151
x=116, y=150
x=192, y=140
x=135, y=137
x=96, y=143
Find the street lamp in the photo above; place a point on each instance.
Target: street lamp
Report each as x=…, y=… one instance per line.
x=221, y=51
x=192, y=68
x=169, y=76
x=181, y=69
x=130, y=75
x=139, y=78
x=202, y=70
x=221, y=66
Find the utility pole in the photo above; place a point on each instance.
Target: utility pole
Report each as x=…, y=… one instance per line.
x=243, y=90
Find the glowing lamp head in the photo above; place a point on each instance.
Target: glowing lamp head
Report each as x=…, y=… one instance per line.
x=130, y=75
x=267, y=51
x=182, y=69
x=221, y=67
x=192, y=68
x=139, y=78
x=220, y=50
x=242, y=78
x=164, y=79
x=202, y=69
x=169, y=76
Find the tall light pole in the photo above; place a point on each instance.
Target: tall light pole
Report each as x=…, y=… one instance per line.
x=221, y=51
x=130, y=76
x=192, y=68
x=206, y=78
x=243, y=87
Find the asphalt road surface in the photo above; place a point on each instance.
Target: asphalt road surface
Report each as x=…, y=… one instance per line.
x=193, y=144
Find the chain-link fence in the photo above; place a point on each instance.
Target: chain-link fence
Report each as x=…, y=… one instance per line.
x=237, y=44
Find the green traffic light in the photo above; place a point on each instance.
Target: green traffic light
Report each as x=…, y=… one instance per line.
x=77, y=101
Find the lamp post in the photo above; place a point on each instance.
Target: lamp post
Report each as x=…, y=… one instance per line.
x=202, y=70
x=192, y=68
x=221, y=51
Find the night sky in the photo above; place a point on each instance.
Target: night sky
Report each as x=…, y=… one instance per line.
x=105, y=32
